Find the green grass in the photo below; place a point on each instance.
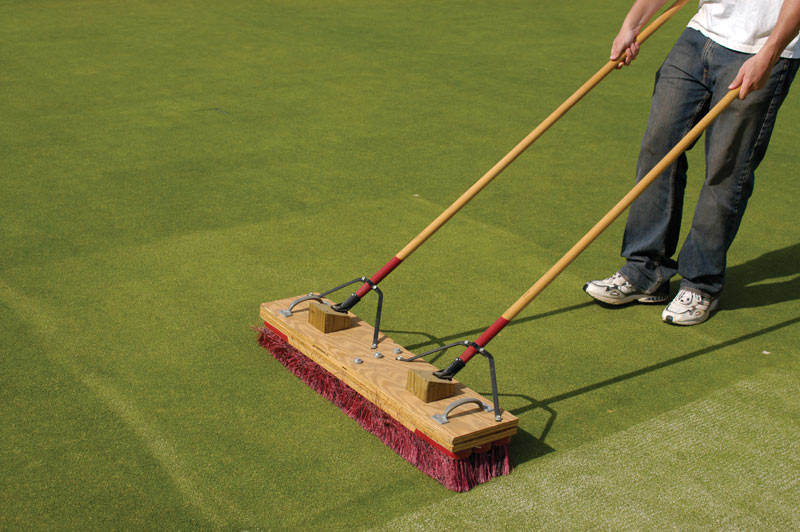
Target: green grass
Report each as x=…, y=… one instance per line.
x=166, y=167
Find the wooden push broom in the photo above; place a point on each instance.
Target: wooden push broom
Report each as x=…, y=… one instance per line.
x=460, y=451
x=368, y=390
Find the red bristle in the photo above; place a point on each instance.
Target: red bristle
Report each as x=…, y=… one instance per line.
x=457, y=474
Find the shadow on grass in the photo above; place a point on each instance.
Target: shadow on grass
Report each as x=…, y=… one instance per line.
x=526, y=446
x=649, y=369
x=746, y=285
x=435, y=341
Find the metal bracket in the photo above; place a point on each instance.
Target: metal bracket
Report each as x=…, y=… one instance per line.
x=493, y=377
x=426, y=353
x=318, y=297
x=288, y=312
x=442, y=418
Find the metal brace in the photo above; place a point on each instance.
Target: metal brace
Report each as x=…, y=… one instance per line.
x=426, y=353
x=318, y=297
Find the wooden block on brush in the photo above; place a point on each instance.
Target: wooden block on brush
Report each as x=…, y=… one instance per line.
x=425, y=385
x=325, y=319
x=382, y=381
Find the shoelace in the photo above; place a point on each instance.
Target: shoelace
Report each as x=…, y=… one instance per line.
x=688, y=298
x=618, y=281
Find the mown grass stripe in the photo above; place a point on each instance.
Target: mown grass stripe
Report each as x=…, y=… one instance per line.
x=730, y=461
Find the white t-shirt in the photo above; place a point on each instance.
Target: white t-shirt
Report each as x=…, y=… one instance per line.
x=741, y=25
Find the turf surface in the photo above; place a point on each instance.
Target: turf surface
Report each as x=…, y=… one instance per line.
x=166, y=167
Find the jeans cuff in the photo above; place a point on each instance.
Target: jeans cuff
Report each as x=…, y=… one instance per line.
x=639, y=281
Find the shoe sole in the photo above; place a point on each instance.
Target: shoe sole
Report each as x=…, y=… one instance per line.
x=651, y=299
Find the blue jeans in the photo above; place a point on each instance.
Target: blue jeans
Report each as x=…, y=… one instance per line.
x=693, y=78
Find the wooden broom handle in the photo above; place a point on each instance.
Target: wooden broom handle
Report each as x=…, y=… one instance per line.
x=532, y=137
x=623, y=204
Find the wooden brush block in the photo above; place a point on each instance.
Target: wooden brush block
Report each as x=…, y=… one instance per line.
x=325, y=319
x=382, y=381
x=425, y=385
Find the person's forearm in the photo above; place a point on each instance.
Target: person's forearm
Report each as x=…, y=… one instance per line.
x=640, y=13
x=785, y=30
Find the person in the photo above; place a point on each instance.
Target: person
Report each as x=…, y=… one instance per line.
x=747, y=44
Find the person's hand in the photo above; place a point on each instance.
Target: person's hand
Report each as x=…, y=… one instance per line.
x=753, y=75
x=624, y=47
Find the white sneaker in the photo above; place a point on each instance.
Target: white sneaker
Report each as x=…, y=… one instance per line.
x=689, y=308
x=617, y=290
